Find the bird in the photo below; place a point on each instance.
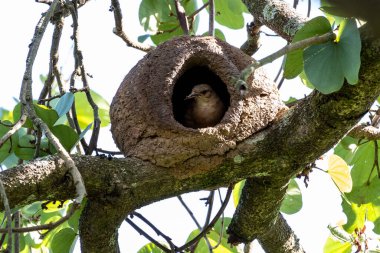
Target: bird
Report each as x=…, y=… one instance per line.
x=204, y=107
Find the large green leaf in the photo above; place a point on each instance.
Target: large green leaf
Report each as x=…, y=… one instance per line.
x=346, y=148
x=292, y=202
x=358, y=215
x=85, y=112
x=336, y=246
x=366, y=183
x=66, y=135
x=63, y=240
x=327, y=65
x=49, y=116
x=363, y=202
x=229, y=13
x=294, y=60
x=64, y=104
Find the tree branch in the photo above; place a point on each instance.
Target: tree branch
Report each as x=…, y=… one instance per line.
x=119, y=31
x=277, y=15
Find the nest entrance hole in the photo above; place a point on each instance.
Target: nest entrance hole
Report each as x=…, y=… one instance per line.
x=190, y=78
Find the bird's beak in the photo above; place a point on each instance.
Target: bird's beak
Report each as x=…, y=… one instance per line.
x=191, y=95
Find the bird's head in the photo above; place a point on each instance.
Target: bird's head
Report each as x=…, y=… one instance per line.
x=201, y=92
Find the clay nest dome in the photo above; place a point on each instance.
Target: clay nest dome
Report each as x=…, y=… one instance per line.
x=147, y=110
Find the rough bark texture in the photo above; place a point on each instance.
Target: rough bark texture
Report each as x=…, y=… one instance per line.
x=148, y=108
x=269, y=158
x=330, y=116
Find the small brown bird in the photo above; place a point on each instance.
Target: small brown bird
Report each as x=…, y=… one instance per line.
x=205, y=108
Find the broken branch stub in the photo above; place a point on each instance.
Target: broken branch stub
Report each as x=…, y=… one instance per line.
x=148, y=108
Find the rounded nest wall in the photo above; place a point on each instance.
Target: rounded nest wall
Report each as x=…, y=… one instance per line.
x=147, y=110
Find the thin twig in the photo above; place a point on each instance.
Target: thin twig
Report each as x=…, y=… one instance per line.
x=13, y=130
x=17, y=216
x=142, y=232
x=192, y=15
x=295, y=4
x=241, y=81
x=194, y=219
x=210, y=203
x=79, y=66
x=189, y=212
x=8, y=214
x=118, y=30
x=308, y=8
x=75, y=206
x=296, y=46
x=181, y=16
x=281, y=82
x=54, y=57
x=26, y=99
x=221, y=224
x=108, y=152
x=211, y=224
x=155, y=229
x=375, y=163
x=211, y=20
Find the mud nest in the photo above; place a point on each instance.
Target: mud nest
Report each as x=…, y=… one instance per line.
x=148, y=108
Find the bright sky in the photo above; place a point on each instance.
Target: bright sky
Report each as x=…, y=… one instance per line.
x=108, y=59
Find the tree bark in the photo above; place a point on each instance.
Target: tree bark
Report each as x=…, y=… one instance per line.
x=269, y=158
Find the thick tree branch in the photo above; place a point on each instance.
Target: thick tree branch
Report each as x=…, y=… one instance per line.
x=280, y=238
x=328, y=118
x=122, y=185
x=277, y=15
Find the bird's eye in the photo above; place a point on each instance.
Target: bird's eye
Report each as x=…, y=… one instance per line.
x=205, y=92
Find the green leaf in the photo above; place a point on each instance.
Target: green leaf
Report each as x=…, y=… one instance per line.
x=63, y=240
x=160, y=18
x=8, y=147
x=82, y=134
x=335, y=60
x=32, y=209
x=346, y=148
x=213, y=237
x=5, y=115
x=66, y=135
x=236, y=193
x=150, y=248
x=26, y=148
x=335, y=246
x=358, y=215
x=292, y=202
x=218, y=33
x=366, y=184
x=64, y=104
x=85, y=112
x=143, y=38
x=350, y=51
x=10, y=161
x=17, y=116
x=294, y=60
x=49, y=116
x=229, y=13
